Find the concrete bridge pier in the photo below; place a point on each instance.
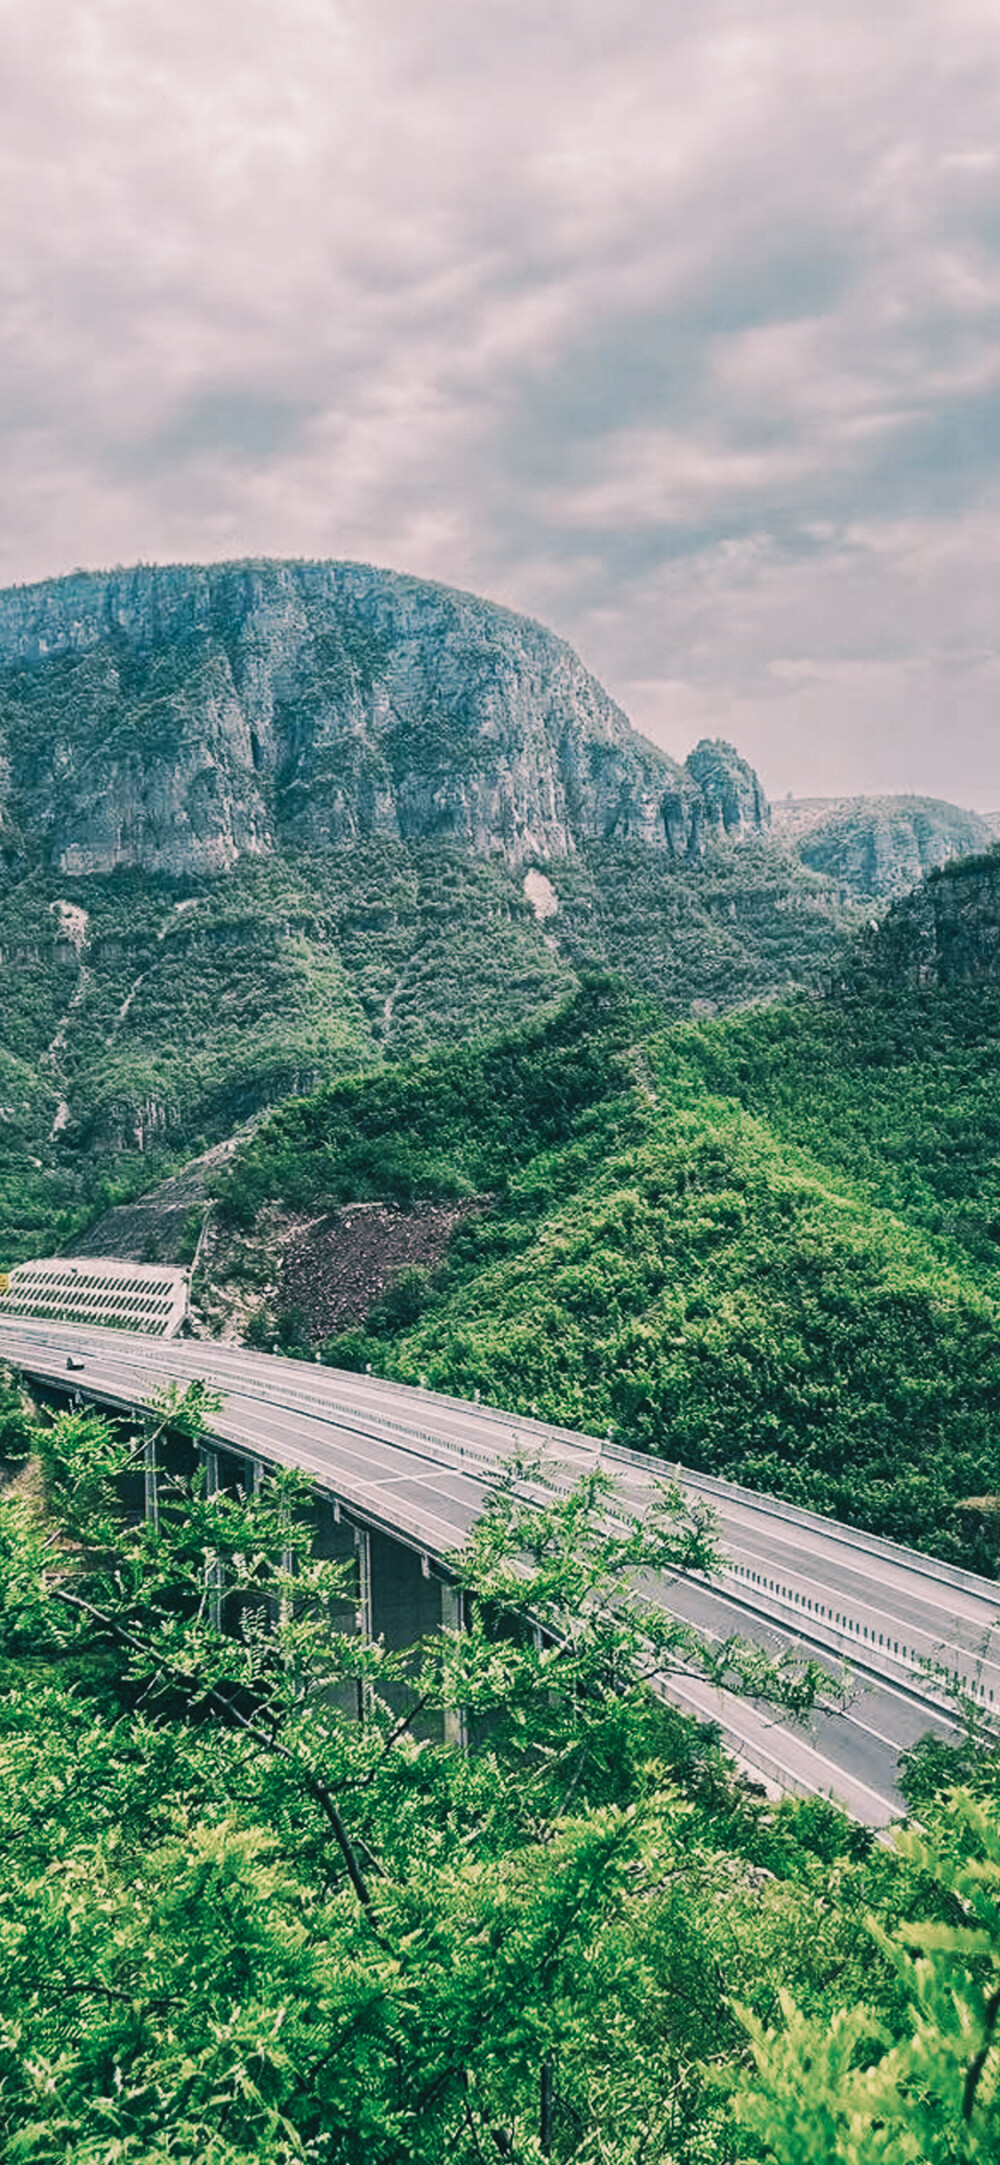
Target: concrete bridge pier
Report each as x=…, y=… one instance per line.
x=213, y=1574
x=151, y=1486
x=397, y=1595
x=408, y=1601
x=456, y=1721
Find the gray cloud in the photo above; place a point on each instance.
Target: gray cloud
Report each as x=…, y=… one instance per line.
x=677, y=327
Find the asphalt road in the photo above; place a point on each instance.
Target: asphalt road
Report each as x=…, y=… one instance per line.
x=420, y=1466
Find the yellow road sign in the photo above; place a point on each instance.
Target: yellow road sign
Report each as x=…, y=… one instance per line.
x=4, y=1282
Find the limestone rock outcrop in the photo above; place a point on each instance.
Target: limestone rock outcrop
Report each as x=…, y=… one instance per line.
x=734, y=802
x=947, y=932
x=173, y=719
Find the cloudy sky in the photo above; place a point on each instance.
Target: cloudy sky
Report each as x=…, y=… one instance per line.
x=674, y=323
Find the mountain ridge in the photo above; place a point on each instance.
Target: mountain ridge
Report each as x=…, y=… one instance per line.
x=200, y=914
x=881, y=846
x=174, y=719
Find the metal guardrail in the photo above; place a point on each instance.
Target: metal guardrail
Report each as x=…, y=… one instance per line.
x=302, y=1391
x=610, y=1452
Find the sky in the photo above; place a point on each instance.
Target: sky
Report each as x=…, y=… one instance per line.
x=672, y=323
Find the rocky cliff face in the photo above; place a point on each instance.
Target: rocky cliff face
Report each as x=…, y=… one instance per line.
x=946, y=932
x=171, y=720
x=732, y=801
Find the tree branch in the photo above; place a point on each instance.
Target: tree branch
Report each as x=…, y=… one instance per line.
x=116, y=1992
x=393, y=1738
x=978, y=2064
x=209, y=1694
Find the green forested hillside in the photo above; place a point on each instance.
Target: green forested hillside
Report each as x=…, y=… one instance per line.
x=749, y=923
x=142, y=1017
x=767, y=1244
x=896, y=1092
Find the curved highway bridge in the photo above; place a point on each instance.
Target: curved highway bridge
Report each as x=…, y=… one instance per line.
x=409, y=1471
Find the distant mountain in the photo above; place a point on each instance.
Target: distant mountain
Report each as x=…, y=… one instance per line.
x=174, y=720
x=879, y=846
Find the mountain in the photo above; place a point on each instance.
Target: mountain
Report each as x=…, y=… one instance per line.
x=879, y=846
x=173, y=720
x=267, y=824
x=264, y=824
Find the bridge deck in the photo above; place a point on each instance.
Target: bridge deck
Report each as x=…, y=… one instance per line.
x=419, y=1466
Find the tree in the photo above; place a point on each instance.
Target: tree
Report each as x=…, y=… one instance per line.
x=852, y=2092
x=236, y=1924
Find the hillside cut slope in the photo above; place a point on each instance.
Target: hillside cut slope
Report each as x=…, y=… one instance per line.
x=170, y=720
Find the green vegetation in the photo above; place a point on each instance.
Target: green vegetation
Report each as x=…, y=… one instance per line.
x=141, y=1018
x=857, y=2091
x=446, y=1125
x=765, y=1246
x=897, y=1094
x=163, y=1013
x=238, y=1924
x=747, y=923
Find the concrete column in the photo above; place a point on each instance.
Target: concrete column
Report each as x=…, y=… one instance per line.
x=244, y=1606
x=456, y=1725
x=406, y=1607
x=287, y=1567
x=213, y=1577
x=151, y=1487
x=363, y=1547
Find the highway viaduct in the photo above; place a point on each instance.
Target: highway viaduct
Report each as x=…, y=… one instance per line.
x=402, y=1474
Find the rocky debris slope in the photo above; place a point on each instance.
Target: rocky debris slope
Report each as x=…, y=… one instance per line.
x=173, y=719
x=328, y=1272
x=339, y=1268
x=324, y=1273
x=879, y=846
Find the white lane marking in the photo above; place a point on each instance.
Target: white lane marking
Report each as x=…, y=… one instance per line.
x=895, y=1744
